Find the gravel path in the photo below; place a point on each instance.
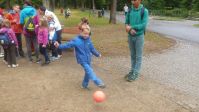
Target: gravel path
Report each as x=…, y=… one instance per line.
x=177, y=67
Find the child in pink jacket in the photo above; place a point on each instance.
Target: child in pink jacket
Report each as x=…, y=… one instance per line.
x=10, y=47
x=43, y=39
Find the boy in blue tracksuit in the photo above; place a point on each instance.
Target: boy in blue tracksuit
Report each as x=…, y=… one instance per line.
x=83, y=51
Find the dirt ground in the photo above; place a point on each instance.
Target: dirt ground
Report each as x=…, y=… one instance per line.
x=57, y=88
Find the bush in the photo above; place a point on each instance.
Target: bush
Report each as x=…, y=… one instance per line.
x=174, y=13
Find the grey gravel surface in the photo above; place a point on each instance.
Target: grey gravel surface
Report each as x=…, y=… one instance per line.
x=176, y=67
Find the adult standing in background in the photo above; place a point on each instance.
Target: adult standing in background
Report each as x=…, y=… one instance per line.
x=58, y=29
x=125, y=9
x=136, y=22
x=30, y=36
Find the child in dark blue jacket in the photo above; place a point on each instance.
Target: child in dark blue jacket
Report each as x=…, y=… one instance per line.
x=83, y=51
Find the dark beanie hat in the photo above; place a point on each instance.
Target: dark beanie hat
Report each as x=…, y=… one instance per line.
x=42, y=8
x=28, y=2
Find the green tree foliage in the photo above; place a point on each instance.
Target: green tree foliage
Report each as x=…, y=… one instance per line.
x=100, y=4
x=187, y=4
x=155, y=4
x=196, y=5
x=150, y=4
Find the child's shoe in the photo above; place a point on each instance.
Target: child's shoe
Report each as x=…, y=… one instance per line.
x=86, y=88
x=30, y=60
x=15, y=65
x=53, y=58
x=38, y=61
x=101, y=86
x=59, y=56
x=1, y=55
x=46, y=63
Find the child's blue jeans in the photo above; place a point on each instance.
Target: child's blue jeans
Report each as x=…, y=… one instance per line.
x=90, y=75
x=136, y=45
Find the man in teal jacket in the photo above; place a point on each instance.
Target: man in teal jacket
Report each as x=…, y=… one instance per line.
x=136, y=22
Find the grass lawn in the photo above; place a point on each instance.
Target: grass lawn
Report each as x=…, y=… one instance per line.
x=111, y=40
x=77, y=15
x=196, y=25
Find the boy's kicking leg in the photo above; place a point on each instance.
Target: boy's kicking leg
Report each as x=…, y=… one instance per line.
x=89, y=74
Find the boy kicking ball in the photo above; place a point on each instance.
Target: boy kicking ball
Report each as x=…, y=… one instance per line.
x=83, y=51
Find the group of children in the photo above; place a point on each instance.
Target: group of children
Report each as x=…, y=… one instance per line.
x=46, y=36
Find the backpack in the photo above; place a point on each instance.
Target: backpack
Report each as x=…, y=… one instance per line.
x=4, y=39
x=141, y=13
x=29, y=24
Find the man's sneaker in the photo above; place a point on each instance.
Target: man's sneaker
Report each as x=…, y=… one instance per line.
x=126, y=76
x=132, y=77
x=101, y=86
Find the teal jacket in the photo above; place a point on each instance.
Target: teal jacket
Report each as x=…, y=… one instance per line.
x=28, y=11
x=135, y=21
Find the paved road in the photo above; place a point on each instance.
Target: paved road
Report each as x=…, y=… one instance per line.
x=176, y=29
x=179, y=29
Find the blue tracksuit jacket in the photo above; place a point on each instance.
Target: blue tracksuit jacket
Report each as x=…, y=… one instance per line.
x=83, y=49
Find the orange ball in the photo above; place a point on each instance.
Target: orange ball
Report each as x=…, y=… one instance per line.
x=99, y=96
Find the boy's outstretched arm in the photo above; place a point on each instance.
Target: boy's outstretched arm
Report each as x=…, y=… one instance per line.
x=94, y=51
x=66, y=45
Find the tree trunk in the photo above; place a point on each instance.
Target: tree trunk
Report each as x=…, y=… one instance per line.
x=65, y=3
x=8, y=6
x=46, y=3
x=18, y=1
x=82, y=5
x=52, y=5
x=75, y=3
x=113, y=12
x=93, y=2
